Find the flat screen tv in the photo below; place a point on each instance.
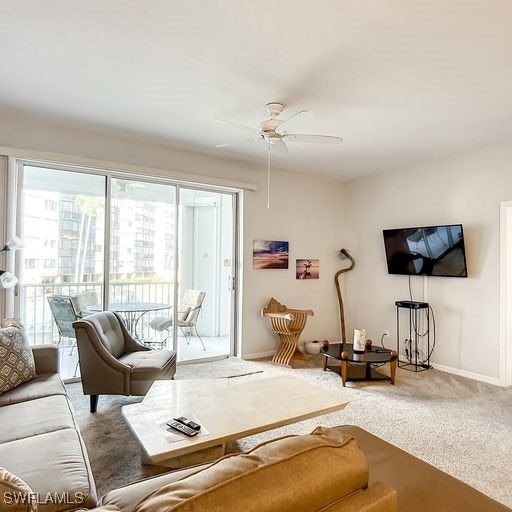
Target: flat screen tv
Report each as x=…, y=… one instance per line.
x=426, y=251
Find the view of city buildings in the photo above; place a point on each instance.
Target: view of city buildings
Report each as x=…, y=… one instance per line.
x=63, y=220
x=64, y=239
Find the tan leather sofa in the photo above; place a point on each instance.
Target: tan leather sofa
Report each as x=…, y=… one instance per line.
x=40, y=441
x=419, y=486
x=114, y=363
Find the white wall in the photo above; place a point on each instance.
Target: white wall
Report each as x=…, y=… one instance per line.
x=307, y=211
x=463, y=189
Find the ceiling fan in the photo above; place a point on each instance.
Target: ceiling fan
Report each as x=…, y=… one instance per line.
x=272, y=132
x=122, y=189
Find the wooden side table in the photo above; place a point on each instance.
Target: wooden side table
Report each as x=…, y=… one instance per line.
x=288, y=324
x=358, y=367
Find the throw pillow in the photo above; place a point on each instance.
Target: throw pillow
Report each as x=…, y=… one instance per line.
x=183, y=312
x=16, y=359
x=15, y=494
x=293, y=473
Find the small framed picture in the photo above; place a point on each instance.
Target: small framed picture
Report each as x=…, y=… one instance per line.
x=307, y=269
x=269, y=254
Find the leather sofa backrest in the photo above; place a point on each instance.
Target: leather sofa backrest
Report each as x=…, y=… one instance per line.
x=290, y=473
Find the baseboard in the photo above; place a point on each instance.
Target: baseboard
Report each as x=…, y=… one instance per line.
x=468, y=375
x=259, y=355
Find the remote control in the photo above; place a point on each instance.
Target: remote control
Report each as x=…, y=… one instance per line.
x=176, y=425
x=189, y=423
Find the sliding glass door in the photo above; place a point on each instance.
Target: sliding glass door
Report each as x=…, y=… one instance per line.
x=205, y=273
x=160, y=254
x=143, y=258
x=61, y=218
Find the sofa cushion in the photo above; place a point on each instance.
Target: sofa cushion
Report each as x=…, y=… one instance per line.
x=35, y=417
x=15, y=494
x=45, y=384
x=55, y=466
x=294, y=473
x=143, y=364
x=16, y=360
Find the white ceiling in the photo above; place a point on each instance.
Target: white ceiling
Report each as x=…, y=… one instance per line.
x=399, y=80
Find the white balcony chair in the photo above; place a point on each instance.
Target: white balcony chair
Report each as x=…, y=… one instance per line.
x=188, y=314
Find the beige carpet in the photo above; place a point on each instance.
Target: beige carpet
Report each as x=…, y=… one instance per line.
x=458, y=425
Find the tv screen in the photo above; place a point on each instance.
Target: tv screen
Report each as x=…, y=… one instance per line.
x=426, y=251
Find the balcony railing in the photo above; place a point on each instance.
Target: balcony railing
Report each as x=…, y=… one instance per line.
x=38, y=319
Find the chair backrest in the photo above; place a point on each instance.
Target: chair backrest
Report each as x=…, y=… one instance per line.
x=194, y=300
x=64, y=313
x=108, y=329
x=85, y=299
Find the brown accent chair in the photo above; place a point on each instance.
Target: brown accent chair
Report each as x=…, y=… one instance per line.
x=114, y=363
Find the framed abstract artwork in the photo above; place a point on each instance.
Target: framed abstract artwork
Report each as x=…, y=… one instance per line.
x=270, y=254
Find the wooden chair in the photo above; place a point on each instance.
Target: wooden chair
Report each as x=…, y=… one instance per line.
x=288, y=324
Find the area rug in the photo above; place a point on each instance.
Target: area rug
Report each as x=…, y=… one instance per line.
x=458, y=425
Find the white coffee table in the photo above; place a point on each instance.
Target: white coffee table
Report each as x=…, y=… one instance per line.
x=227, y=409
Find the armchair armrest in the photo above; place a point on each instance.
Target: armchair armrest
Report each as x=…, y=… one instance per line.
x=46, y=358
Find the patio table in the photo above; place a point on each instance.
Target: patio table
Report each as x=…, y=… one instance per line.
x=132, y=312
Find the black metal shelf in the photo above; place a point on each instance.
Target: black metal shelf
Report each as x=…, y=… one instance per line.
x=414, y=307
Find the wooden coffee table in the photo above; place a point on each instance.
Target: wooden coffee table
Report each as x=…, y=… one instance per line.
x=228, y=409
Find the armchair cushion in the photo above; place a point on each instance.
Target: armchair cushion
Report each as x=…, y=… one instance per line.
x=16, y=359
x=143, y=365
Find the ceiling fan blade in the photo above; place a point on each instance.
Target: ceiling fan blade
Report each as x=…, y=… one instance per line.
x=315, y=139
x=295, y=115
x=227, y=145
x=237, y=125
x=279, y=147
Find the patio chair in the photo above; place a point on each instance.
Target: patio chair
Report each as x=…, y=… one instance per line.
x=68, y=308
x=65, y=312
x=83, y=300
x=188, y=314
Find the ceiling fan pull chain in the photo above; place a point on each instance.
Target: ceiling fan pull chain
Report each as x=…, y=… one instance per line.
x=268, y=176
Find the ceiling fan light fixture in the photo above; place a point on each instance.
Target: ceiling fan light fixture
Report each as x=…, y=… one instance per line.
x=270, y=130
x=274, y=108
